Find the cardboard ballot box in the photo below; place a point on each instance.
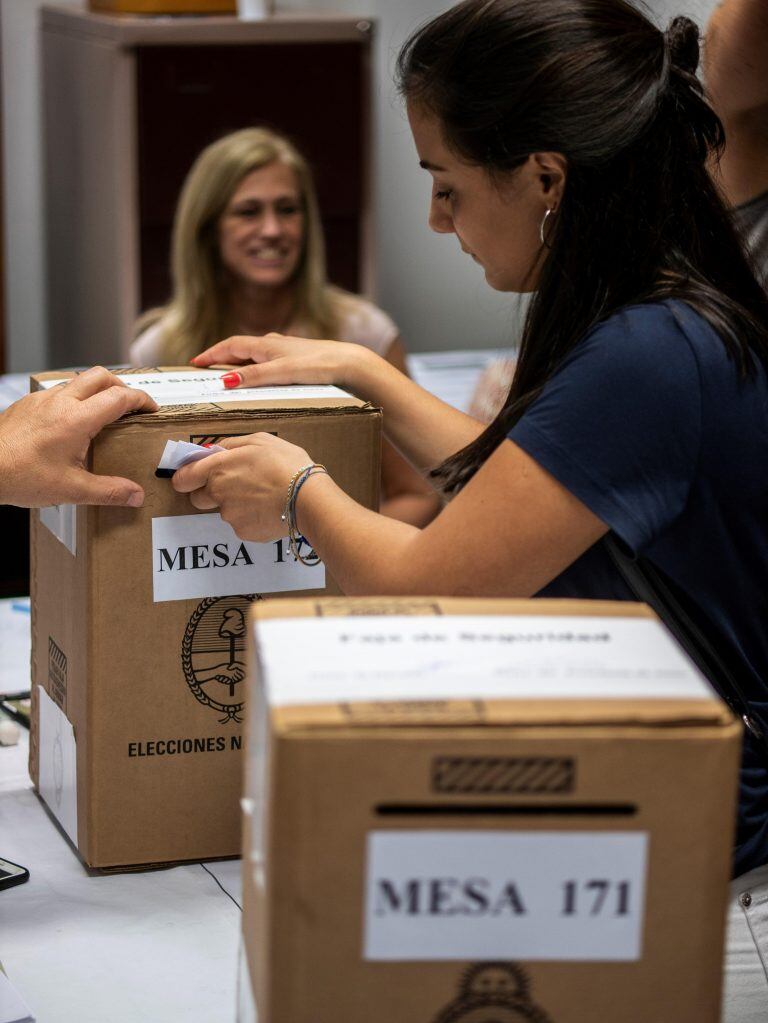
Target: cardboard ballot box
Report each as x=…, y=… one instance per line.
x=139, y=621
x=465, y=811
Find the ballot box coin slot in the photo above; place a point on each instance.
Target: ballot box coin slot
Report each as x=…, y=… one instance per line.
x=505, y=810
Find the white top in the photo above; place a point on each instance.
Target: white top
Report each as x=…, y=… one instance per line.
x=449, y=657
x=361, y=322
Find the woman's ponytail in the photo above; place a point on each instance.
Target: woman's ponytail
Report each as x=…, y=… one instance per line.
x=698, y=122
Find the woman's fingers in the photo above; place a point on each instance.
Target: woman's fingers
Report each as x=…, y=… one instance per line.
x=202, y=500
x=264, y=374
x=231, y=350
x=196, y=474
x=245, y=441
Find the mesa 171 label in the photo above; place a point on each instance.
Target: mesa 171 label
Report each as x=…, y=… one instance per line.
x=544, y=895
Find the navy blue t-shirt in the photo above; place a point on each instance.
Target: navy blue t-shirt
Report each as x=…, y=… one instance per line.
x=649, y=424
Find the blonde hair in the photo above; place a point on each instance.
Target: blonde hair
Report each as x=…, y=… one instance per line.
x=197, y=315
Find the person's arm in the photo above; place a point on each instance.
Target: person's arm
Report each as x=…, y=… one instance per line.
x=44, y=440
x=510, y=531
x=736, y=78
x=406, y=495
x=425, y=429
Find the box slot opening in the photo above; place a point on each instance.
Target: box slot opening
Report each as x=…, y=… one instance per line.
x=505, y=810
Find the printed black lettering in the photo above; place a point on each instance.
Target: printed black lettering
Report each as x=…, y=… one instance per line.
x=441, y=891
x=199, y=552
x=172, y=747
x=475, y=890
x=171, y=561
x=242, y=554
x=509, y=902
x=389, y=899
x=220, y=555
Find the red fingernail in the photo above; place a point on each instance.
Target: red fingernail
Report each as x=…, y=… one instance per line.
x=206, y=445
x=232, y=380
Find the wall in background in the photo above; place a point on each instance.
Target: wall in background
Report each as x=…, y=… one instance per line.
x=438, y=296
x=23, y=223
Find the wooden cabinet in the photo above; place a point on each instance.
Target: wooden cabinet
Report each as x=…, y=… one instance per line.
x=129, y=102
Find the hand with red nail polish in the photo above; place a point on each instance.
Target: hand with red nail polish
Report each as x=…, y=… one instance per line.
x=277, y=359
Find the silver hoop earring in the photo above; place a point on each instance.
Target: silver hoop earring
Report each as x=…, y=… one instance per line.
x=541, y=229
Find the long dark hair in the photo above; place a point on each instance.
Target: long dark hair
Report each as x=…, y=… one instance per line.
x=640, y=219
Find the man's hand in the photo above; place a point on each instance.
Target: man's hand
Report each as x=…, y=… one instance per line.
x=44, y=440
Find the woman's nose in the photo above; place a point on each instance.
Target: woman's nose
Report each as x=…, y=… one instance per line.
x=270, y=224
x=439, y=219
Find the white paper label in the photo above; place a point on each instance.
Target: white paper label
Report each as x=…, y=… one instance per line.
x=57, y=778
x=202, y=556
x=473, y=656
x=61, y=519
x=201, y=386
x=546, y=895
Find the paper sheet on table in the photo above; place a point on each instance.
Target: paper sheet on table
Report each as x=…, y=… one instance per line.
x=453, y=376
x=180, y=387
x=13, y=1008
x=58, y=763
x=181, y=452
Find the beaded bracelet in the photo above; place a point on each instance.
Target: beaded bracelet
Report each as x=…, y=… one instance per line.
x=295, y=538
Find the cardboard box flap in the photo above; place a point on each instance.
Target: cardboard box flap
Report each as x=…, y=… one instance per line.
x=369, y=662
x=182, y=391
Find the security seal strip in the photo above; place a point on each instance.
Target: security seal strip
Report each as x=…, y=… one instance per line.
x=178, y=453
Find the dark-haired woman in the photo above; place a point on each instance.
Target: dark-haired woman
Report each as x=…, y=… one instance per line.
x=567, y=142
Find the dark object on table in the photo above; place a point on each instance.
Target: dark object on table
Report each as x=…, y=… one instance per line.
x=14, y=526
x=12, y=874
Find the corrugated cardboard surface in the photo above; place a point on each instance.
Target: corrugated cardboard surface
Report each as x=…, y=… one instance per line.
x=158, y=762
x=671, y=775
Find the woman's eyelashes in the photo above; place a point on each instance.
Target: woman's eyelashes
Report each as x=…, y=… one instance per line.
x=254, y=211
x=445, y=193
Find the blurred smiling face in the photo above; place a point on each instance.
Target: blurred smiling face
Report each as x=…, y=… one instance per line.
x=261, y=232
x=496, y=223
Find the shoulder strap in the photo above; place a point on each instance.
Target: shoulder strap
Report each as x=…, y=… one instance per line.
x=649, y=586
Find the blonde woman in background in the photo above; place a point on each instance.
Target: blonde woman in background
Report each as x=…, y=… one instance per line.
x=248, y=257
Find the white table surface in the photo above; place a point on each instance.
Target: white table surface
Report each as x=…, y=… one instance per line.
x=108, y=948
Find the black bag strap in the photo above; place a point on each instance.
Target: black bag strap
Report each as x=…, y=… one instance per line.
x=649, y=586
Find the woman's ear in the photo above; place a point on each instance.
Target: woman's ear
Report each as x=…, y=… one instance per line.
x=551, y=172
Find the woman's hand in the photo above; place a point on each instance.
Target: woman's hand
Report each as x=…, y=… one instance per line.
x=248, y=483
x=44, y=441
x=277, y=359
